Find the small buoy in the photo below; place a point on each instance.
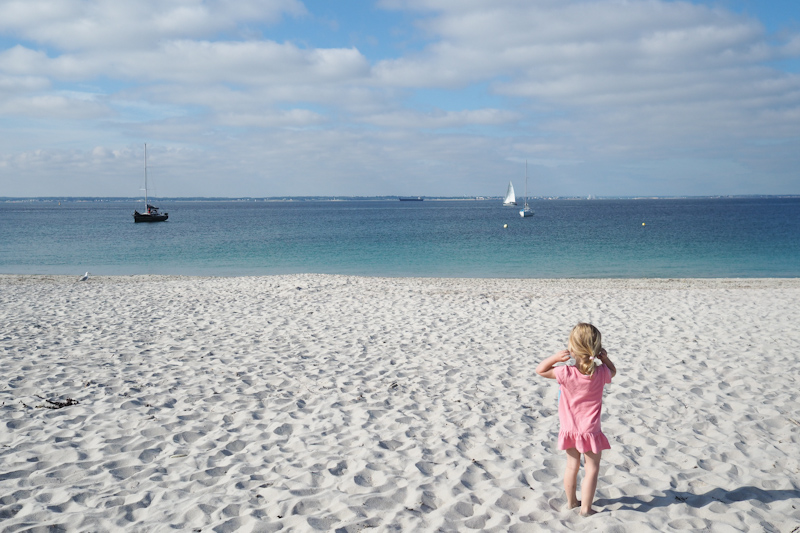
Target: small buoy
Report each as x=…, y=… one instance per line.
x=505, y=225
x=642, y=223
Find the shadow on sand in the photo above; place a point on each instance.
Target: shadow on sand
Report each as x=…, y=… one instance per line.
x=671, y=497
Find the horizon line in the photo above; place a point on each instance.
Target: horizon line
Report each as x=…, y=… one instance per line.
x=7, y=199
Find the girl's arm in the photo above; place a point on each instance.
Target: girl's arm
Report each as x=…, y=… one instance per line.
x=606, y=361
x=545, y=368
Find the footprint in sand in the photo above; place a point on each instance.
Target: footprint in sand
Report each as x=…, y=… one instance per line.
x=369, y=478
x=283, y=429
x=339, y=469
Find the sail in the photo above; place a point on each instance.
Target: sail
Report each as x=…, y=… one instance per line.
x=510, y=199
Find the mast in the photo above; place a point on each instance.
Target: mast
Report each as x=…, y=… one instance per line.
x=146, y=206
x=526, y=183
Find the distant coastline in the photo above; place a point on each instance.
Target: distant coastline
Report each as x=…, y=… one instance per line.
x=122, y=199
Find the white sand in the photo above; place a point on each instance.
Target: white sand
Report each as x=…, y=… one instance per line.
x=314, y=402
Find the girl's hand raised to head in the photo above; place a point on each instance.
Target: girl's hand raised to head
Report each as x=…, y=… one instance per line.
x=563, y=356
x=545, y=368
x=606, y=361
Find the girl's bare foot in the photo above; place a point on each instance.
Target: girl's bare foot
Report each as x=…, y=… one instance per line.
x=590, y=512
x=573, y=504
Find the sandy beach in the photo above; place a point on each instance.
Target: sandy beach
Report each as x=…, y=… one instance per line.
x=336, y=403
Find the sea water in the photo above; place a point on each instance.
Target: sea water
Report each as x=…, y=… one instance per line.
x=741, y=237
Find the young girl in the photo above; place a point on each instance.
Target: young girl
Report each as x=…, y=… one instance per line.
x=579, y=405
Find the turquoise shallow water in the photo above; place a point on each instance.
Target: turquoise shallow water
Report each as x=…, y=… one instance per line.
x=757, y=237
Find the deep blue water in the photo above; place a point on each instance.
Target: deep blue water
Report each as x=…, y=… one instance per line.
x=757, y=237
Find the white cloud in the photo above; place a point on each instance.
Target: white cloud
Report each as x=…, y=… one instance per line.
x=581, y=87
x=291, y=118
x=442, y=119
x=54, y=107
x=244, y=62
x=13, y=84
x=648, y=77
x=199, y=62
x=792, y=47
x=104, y=24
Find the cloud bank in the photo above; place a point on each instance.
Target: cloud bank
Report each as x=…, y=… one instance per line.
x=605, y=97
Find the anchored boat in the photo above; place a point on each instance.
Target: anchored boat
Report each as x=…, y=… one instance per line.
x=511, y=198
x=151, y=212
x=526, y=211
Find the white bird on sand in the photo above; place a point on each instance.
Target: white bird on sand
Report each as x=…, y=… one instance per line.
x=84, y=277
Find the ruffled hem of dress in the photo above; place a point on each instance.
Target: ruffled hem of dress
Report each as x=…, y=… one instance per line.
x=594, y=442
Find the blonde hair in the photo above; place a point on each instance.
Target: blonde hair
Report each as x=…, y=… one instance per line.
x=584, y=345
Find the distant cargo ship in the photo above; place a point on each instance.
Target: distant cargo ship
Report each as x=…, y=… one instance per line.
x=410, y=198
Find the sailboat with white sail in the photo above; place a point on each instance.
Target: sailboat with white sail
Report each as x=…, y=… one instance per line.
x=151, y=212
x=511, y=198
x=526, y=211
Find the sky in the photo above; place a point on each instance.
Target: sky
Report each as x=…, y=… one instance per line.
x=268, y=98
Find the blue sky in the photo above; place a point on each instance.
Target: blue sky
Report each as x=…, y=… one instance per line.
x=776, y=15
x=399, y=97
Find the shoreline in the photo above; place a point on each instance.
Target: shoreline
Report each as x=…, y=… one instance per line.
x=330, y=402
x=640, y=280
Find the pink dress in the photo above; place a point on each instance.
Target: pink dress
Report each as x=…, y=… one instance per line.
x=579, y=408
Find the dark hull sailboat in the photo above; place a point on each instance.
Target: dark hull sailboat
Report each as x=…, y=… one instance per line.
x=151, y=214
